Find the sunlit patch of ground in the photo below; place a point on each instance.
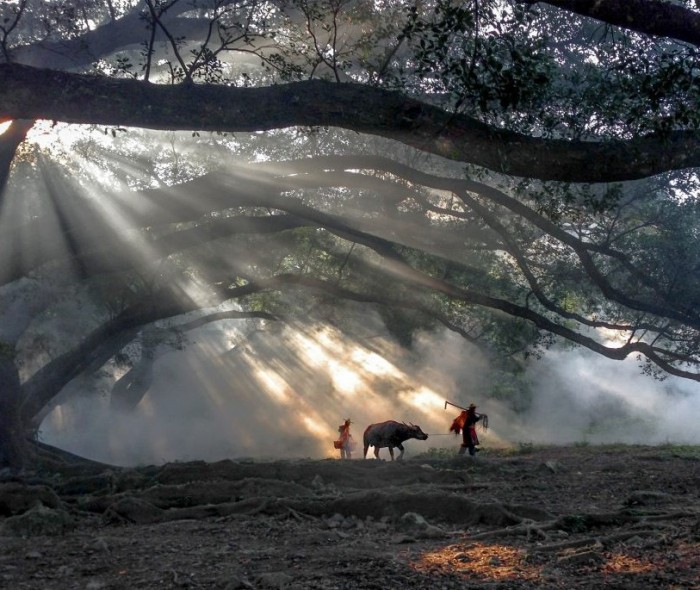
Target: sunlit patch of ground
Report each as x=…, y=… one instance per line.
x=488, y=563
x=620, y=563
x=483, y=561
x=682, y=557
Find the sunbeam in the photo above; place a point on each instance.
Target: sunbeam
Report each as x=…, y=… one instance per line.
x=146, y=213
x=275, y=396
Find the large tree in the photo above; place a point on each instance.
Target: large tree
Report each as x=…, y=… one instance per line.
x=507, y=169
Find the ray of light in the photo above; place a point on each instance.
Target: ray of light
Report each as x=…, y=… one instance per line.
x=345, y=379
x=275, y=387
x=146, y=406
x=315, y=354
x=373, y=363
x=273, y=400
x=424, y=399
x=283, y=396
x=316, y=427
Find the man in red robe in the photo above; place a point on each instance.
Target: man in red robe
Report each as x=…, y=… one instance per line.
x=466, y=423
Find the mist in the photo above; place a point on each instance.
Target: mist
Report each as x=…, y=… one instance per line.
x=583, y=397
x=279, y=391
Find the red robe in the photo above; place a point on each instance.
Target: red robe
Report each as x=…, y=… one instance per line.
x=459, y=422
x=466, y=424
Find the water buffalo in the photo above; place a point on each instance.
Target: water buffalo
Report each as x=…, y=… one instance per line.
x=391, y=434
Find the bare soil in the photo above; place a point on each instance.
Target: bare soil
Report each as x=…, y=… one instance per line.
x=565, y=517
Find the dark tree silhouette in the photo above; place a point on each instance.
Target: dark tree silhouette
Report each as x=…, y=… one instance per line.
x=544, y=169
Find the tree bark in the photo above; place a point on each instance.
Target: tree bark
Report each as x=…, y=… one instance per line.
x=31, y=93
x=82, y=52
x=651, y=17
x=9, y=142
x=12, y=443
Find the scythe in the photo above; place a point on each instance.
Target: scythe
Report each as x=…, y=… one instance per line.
x=455, y=405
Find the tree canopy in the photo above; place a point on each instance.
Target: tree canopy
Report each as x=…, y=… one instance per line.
x=513, y=170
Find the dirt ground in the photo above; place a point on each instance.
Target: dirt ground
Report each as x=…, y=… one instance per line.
x=566, y=517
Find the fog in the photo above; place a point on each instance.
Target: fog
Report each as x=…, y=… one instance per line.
x=583, y=397
x=278, y=392
x=281, y=390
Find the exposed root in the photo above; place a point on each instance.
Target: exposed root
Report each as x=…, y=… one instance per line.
x=528, y=528
x=606, y=541
x=581, y=523
x=300, y=516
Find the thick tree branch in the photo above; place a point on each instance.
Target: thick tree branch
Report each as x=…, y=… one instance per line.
x=81, y=52
x=30, y=93
x=663, y=305
x=52, y=377
x=419, y=279
x=265, y=191
x=216, y=192
x=104, y=342
x=651, y=17
x=399, y=270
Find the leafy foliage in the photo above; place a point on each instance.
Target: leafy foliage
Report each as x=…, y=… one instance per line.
x=512, y=264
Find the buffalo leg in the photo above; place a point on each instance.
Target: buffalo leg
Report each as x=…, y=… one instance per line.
x=376, y=452
x=400, y=447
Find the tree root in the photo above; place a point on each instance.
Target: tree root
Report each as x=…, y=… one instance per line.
x=606, y=541
x=527, y=528
x=581, y=523
x=300, y=516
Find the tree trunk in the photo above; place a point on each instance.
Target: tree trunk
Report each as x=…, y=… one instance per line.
x=13, y=448
x=9, y=142
x=128, y=392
